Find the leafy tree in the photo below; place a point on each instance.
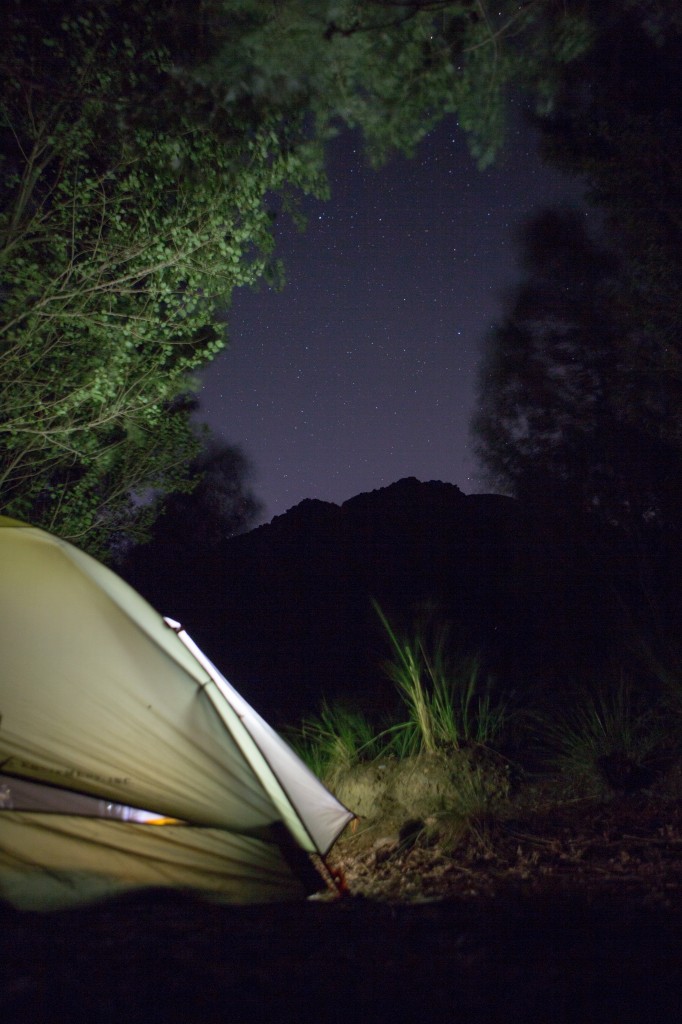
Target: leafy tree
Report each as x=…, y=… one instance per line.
x=121, y=235
x=598, y=383
x=550, y=427
x=219, y=505
x=553, y=430
x=395, y=68
x=616, y=125
x=142, y=148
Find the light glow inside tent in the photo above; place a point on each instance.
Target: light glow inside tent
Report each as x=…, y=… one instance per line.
x=24, y=795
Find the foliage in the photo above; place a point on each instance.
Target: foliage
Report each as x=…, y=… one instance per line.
x=178, y=568
x=447, y=705
x=550, y=425
x=581, y=387
x=336, y=739
x=190, y=525
x=395, y=69
x=659, y=657
x=122, y=231
x=449, y=712
x=615, y=126
x=581, y=390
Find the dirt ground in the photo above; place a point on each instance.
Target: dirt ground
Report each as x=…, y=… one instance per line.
x=628, y=845
x=574, y=916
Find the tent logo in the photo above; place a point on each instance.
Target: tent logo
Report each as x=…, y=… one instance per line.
x=29, y=770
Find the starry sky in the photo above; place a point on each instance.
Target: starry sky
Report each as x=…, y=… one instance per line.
x=362, y=370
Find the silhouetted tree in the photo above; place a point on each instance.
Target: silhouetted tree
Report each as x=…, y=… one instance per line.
x=171, y=567
x=550, y=426
x=616, y=125
x=582, y=386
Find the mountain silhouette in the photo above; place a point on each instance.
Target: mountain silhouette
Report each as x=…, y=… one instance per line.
x=286, y=610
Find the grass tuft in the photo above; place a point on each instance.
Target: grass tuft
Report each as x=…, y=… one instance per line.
x=446, y=703
x=336, y=739
x=608, y=738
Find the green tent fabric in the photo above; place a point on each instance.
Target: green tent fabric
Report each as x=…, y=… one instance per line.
x=126, y=759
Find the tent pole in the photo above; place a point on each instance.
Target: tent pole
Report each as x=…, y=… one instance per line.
x=335, y=875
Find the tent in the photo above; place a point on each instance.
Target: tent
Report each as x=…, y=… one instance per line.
x=126, y=759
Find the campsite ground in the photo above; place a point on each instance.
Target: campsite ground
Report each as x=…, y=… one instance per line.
x=571, y=914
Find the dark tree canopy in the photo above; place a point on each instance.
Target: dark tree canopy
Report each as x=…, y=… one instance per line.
x=171, y=567
x=581, y=390
x=616, y=124
x=551, y=427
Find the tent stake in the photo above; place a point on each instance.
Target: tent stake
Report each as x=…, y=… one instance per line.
x=337, y=879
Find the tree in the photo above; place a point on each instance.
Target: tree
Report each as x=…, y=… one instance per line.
x=395, y=68
x=121, y=235
x=550, y=427
x=171, y=567
x=143, y=148
x=219, y=505
x=609, y=450
x=615, y=124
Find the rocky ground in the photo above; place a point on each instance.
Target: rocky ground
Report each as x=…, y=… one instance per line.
x=569, y=914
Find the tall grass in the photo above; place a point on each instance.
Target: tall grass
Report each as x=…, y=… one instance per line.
x=446, y=703
x=335, y=740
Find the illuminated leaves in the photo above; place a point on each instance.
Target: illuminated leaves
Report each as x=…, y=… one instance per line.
x=119, y=243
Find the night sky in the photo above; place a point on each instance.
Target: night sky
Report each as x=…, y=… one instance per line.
x=362, y=370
